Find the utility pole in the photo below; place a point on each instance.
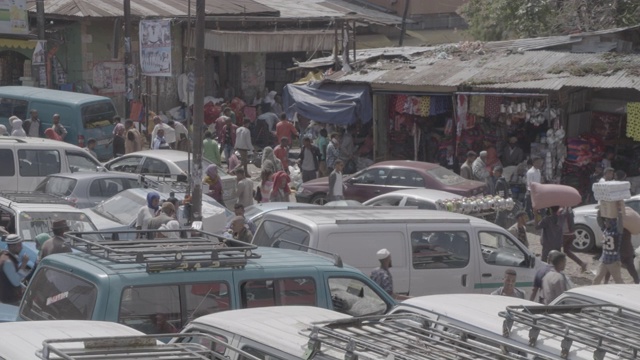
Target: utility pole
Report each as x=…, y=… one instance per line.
x=41, y=36
x=198, y=113
x=127, y=57
x=403, y=31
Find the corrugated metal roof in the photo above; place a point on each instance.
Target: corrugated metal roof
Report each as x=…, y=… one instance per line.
x=367, y=54
x=305, y=9
x=149, y=8
x=268, y=41
x=530, y=70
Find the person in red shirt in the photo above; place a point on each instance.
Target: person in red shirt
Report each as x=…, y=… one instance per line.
x=285, y=128
x=282, y=153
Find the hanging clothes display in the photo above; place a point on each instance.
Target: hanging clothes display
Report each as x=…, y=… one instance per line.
x=633, y=120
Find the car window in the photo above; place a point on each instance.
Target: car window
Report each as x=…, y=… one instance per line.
x=206, y=342
x=128, y=164
x=7, y=165
x=81, y=162
x=439, y=249
x=387, y=201
x=353, y=297
x=377, y=176
x=270, y=231
x=106, y=188
x=32, y=223
x=571, y=301
x=404, y=177
x=57, y=295
x=499, y=249
x=259, y=353
x=38, y=162
x=158, y=309
x=446, y=176
x=10, y=107
x=421, y=204
x=155, y=167
x=59, y=186
x=272, y=292
x=184, y=166
x=98, y=114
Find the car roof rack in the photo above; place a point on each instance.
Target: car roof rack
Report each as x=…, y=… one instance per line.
x=607, y=328
x=164, y=183
x=200, y=250
x=337, y=260
x=33, y=198
x=409, y=336
x=139, y=347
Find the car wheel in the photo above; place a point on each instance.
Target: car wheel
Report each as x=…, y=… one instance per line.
x=585, y=239
x=319, y=199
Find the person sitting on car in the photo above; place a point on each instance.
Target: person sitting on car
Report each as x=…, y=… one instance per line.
x=167, y=213
x=56, y=244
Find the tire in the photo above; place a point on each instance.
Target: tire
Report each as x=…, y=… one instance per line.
x=319, y=199
x=585, y=239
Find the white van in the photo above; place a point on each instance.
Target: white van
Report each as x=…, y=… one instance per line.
x=433, y=252
x=25, y=161
x=568, y=332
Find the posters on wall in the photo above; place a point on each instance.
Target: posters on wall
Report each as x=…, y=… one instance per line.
x=155, y=47
x=108, y=77
x=13, y=17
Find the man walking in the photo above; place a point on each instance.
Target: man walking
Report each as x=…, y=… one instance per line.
x=321, y=143
x=228, y=139
x=32, y=126
x=133, y=139
x=336, y=186
x=533, y=175
x=281, y=152
x=500, y=188
x=12, y=271
x=519, y=229
x=243, y=143
x=211, y=149
x=479, y=168
x=57, y=127
x=56, y=244
x=465, y=170
x=555, y=282
x=610, y=260
x=244, y=188
x=309, y=160
x=382, y=276
x=285, y=128
x=333, y=152
x=551, y=238
x=568, y=235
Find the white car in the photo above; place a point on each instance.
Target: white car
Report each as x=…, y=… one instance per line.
x=172, y=164
x=588, y=233
x=420, y=198
x=625, y=295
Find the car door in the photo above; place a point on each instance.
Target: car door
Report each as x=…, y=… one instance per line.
x=367, y=184
x=499, y=253
x=128, y=164
x=404, y=179
x=441, y=260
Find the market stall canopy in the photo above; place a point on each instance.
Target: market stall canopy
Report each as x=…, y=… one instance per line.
x=329, y=103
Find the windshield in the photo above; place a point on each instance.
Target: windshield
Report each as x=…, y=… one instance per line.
x=33, y=223
x=98, y=115
x=120, y=208
x=183, y=165
x=446, y=176
x=57, y=186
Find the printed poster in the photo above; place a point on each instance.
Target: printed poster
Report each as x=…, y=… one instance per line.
x=155, y=47
x=109, y=77
x=14, y=17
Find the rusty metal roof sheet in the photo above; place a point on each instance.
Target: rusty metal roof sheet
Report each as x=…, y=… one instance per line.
x=306, y=9
x=546, y=70
x=149, y=8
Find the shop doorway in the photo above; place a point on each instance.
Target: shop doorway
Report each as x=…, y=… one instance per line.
x=11, y=67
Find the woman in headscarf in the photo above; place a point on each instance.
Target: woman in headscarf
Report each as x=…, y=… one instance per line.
x=281, y=190
x=3, y=130
x=148, y=211
x=212, y=179
x=266, y=185
x=118, y=140
x=276, y=164
x=16, y=127
x=51, y=134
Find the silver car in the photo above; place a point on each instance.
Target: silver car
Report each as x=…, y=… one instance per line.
x=588, y=233
x=172, y=164
x=86, y=190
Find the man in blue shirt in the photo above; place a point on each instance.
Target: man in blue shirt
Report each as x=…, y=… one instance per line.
x=12, y=271
x=610, y=259
x=537, y=280
x=381, y=274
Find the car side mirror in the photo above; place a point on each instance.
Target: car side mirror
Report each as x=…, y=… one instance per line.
x=101, y=169
x=532, y=261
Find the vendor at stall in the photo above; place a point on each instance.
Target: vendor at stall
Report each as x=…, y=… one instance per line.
x=513, y=154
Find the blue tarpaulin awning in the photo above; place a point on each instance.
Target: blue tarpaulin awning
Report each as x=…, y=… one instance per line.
x=329, y=103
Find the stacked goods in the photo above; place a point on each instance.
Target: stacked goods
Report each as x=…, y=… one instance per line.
x=472, y=205
x=548, y=195
x=611, y=195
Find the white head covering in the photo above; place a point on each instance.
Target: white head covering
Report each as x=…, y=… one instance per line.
x=13, y=239
x=171, y=225
x=16, y=127
x=383, y=254
x=3, y=130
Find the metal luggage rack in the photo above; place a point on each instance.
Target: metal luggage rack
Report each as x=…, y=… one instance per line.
x=409, y=337
x=200, y=250
x=33, y=198
x=178, y=184
x=605, y=327
x=139, y=347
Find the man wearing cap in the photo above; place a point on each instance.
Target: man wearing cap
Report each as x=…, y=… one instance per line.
x=465, y=170
x=381, y=274
x=479, y=167
x=56, y=244
x=12, y=271
x=508, y=287
x=513, y=154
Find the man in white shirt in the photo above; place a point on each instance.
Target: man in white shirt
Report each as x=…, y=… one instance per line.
x=533, y=175
x=607, y=175
x=182, y=135
x=336, y=191
x=169, y=133
x=243, y=143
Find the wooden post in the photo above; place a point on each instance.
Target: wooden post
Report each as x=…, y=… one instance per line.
x=198, y=114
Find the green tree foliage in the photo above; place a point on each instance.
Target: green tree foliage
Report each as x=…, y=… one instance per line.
x=492, y=20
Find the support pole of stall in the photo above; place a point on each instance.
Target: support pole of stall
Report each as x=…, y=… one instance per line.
x=128, y=94
x=198, y=113
x=336, y=48
x=403, y=29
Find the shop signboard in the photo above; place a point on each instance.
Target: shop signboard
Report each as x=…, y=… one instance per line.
x=155, y=47
x=14, y=17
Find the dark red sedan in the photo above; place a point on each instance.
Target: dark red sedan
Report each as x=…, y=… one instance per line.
x=388, y=176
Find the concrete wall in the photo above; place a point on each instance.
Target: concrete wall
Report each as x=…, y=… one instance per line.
x=252, y=72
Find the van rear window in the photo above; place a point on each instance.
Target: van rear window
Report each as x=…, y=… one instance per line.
x=270, y=232
x=57, y=295
x=98, y=115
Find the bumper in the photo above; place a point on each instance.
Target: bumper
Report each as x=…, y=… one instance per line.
x=303, y=198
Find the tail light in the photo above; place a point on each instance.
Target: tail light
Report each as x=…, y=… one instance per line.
x=81, y=140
